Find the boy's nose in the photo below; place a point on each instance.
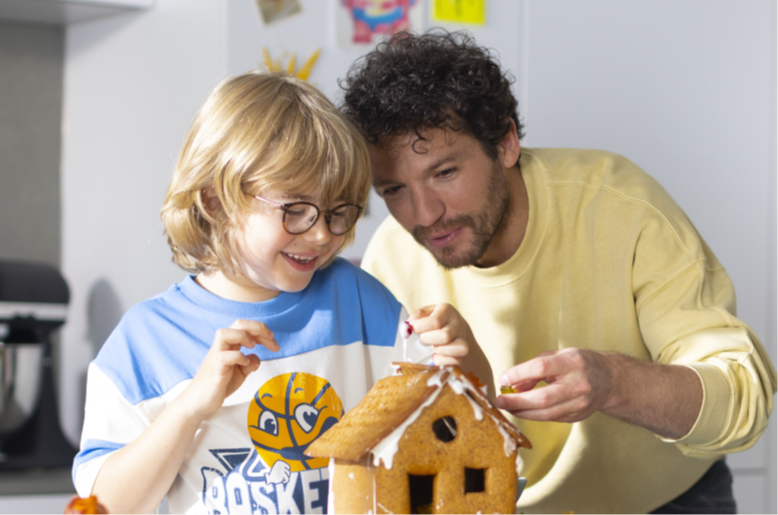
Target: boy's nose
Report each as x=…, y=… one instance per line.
x=319, y=232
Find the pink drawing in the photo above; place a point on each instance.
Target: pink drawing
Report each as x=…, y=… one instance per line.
x=372, y=17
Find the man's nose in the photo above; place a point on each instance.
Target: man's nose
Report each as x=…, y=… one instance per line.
x=428, y=208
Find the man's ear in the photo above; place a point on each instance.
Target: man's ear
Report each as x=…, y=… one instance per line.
x=210, y=199
x=509, y=148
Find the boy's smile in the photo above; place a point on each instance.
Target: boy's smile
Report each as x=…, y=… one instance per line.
x=301, y=262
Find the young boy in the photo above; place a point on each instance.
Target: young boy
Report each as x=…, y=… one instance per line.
x=266, y=192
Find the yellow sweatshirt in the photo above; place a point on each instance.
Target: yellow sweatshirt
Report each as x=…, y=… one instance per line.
x=609, y=262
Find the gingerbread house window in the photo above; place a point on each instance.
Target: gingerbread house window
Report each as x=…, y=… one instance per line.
x=426, y=440
x=474, y=480
x=421, y=488
x=445, y=428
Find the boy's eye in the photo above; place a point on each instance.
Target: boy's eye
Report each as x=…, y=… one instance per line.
x=295, y=211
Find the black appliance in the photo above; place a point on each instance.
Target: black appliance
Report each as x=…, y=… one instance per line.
x=33, y=303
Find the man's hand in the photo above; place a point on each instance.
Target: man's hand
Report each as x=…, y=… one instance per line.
x=578, y=384
x=665, y=399
x=225, y=367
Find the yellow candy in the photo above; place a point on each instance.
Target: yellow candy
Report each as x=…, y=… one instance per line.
x=507, y=389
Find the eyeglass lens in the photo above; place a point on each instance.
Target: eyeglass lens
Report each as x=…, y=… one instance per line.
x=300, y=216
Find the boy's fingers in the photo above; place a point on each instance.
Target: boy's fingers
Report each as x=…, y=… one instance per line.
x=231, y=358
x=253, y=365
x=228, y=338
x=441, y=360
x=454, y=349
x=422, y=312
x=253, y=327
x=429, y=318
x=257, y=332
x=443, y=336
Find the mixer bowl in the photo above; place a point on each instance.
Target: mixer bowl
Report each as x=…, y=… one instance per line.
x=21, y=377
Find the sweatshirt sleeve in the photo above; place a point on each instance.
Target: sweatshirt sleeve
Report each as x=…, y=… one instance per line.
x=686, y=309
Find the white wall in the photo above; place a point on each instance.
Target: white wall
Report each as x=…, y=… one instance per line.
x=133, y=83
x=686, y=89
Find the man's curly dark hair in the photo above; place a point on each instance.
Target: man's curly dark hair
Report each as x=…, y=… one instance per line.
x=439, y=79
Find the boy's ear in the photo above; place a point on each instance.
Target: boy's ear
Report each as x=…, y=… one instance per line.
x=210, y=199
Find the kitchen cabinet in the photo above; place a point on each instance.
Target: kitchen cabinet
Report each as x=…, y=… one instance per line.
x=64, y=12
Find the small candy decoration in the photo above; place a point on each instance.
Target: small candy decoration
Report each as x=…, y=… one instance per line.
x=84, y=505
x=406, y=329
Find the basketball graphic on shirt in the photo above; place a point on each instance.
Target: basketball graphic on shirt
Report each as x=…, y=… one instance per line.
x=288, y=413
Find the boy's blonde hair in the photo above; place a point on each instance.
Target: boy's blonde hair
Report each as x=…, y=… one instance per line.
x=258, y=131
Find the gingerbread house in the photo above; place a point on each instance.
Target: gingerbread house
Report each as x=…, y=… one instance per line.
x=426, y=440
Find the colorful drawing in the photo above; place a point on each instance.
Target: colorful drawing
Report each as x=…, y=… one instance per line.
x=377, y=17
x=274, y=10
x=460, y=11
x=303, y=73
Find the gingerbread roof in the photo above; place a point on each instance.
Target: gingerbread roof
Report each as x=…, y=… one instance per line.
x=391, y=401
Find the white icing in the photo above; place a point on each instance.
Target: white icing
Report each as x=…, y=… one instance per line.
x=462, y=384
x=457, y=386
x=478, y=411
x=509, y=443
x=406, y=332
x=436, y=379
x=331, y=495
x=387, y=448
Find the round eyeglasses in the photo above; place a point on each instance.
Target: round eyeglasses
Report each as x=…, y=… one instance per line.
x=301, y=216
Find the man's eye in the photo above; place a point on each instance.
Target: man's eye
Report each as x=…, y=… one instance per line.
x=391, y=191
x=448, y=172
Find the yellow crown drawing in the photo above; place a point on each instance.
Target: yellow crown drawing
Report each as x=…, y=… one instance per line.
x=302, y=73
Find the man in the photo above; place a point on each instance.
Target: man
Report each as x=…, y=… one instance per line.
x=590, y=291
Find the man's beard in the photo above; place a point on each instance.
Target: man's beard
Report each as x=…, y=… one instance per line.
x=485, y=224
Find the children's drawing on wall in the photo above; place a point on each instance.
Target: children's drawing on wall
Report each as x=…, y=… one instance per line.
x=361, y=23
x=275, y=65
x=274, y=10
x=472, y=12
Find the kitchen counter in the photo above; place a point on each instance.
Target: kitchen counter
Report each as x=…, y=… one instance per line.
x=36, y=481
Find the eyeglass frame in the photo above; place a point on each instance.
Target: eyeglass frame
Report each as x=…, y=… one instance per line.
x=327, y=214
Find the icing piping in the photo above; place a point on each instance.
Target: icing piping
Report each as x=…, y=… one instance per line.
x=386, y=448
x=331, y=495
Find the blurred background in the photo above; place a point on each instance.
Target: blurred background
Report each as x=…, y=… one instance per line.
x=97, y=95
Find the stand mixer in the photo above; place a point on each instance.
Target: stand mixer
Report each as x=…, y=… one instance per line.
x=33, y=303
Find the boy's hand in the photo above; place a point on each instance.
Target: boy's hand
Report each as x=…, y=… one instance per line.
x=225, y=368
x=444, y=328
